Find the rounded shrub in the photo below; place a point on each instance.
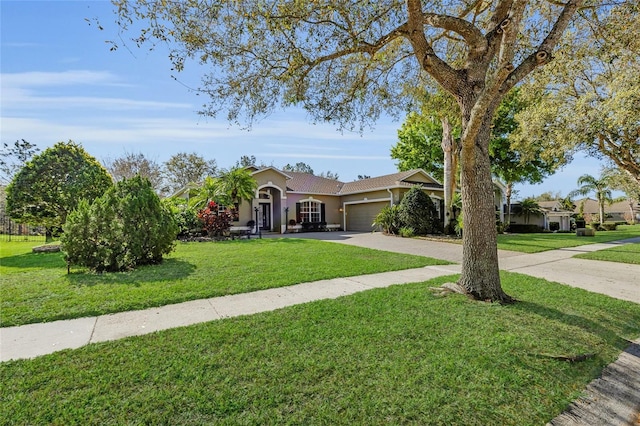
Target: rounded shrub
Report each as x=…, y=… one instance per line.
x=417, y=211
x=128, y=226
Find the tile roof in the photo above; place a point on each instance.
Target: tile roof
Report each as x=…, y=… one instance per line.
x=590, y=206
x=308, y=183
x=393, y=180
x=311, y=184
x=552, y=206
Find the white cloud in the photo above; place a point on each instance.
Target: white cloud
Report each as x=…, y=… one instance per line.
x=323, y=156
x=24, y=90
x=64, y=78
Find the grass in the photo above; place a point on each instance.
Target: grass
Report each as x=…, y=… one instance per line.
x=397, y=355
x=36, y=287
x=534, y=243
x=628, y=253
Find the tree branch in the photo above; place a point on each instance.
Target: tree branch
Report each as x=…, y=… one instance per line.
x=543, y=53
x=442, y=72
x=471, y=34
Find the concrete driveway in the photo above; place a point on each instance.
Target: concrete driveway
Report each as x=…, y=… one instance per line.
x=619, y=280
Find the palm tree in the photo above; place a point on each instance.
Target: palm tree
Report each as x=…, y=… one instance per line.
x=567, y=203
x=527, y=207
x=600, y=186
x=237, y=184
x=210, y=190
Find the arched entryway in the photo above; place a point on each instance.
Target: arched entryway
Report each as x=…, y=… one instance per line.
x=269, y=204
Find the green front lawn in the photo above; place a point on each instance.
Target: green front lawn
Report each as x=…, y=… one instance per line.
x=36, y=287
x=534, y=243
x=397, y=355
x=628, y=253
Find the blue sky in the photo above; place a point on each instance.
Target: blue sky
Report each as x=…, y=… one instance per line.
x=60, y=81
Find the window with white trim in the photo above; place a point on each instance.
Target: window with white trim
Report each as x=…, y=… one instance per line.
x=310, y=211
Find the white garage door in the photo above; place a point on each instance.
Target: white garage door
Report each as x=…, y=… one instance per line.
x=361, y=216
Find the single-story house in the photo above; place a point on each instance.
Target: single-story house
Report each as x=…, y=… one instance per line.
x=283, y=197
x=551, y=212
x=286, y=200
x=616, y=212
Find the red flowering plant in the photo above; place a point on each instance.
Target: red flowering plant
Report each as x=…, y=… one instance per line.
x=215, y=222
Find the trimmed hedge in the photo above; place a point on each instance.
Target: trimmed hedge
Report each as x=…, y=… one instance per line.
x=524, y=229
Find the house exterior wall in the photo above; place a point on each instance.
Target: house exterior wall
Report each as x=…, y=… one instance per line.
x=331, y=202
x=274, y=183
x=534, y=219
x=564, y=221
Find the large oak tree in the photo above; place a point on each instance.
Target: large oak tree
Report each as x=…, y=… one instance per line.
x=349, y=61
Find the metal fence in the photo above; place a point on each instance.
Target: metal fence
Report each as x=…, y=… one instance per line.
x=12, y=231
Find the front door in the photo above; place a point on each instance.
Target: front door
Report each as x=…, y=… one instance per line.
x=265, y=216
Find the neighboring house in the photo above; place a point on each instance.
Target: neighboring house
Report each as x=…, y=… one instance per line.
x=616, y=212
x=550, y=212
x=553, y=212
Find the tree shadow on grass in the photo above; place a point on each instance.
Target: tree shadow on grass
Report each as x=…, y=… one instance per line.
x=609, y=335
x=168, y=270
x=35, y=260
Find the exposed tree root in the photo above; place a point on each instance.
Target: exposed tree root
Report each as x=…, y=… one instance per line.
x=448, y=288
x=568, y=358
x=455, y=288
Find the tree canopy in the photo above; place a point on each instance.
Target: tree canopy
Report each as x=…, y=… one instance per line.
x=52, y=183
x=349, y=63
x=14, y=157
x=132, y=164
x=184, y=168
x=421, y=144
x=589, y=98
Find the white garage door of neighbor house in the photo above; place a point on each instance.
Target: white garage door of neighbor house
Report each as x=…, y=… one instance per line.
x=361, y=216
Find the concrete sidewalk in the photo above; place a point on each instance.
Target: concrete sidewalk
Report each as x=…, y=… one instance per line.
x=614, y=279
x=33, y=340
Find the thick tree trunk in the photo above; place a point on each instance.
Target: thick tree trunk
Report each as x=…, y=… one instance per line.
x=449, y=172
x=48, y=235
x=480, y=272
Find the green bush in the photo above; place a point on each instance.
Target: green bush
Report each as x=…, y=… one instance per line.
x=417, y=211
x=459, y=226
x=388, y=219
x=126, y=227
x=406, y=232
x=609, y=226
x=524, y=228
x=554, y=226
